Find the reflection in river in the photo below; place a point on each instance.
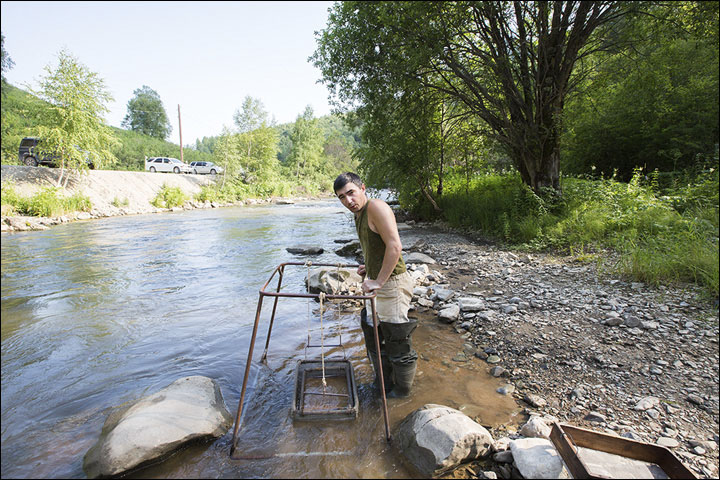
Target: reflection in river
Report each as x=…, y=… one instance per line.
x=98, y=313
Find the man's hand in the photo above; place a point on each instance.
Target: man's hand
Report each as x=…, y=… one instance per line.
x=370, y=285
x=361, y=270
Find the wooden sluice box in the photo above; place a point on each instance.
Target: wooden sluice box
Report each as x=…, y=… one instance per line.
x=595, y=455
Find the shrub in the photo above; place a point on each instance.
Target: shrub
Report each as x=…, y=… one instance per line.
x=169, y=197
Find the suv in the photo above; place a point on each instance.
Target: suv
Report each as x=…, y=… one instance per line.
x=205, y=167
x=166, y=164
x=29, y=154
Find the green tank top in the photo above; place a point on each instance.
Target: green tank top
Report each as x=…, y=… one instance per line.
x=373, y=247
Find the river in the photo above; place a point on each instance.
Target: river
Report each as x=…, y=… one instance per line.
x=103, y=312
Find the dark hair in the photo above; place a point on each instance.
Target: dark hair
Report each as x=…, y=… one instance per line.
x=345, y=178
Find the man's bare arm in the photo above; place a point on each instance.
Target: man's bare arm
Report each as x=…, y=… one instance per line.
x=381, y=220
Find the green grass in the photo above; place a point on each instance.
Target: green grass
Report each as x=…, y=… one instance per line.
x=48, y=202
x=662, y=237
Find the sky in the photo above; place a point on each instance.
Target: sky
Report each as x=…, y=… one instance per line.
x=205, y=57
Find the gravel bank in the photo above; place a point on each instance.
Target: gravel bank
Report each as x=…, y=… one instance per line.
x=584, y=346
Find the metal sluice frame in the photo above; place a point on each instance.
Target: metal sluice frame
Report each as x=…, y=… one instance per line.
x=279, y=270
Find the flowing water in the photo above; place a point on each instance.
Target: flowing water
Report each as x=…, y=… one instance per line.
x=103, y=312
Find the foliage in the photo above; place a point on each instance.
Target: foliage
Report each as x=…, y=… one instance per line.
x=133, y=147
x=659, y=239
x=654, y=106
x=72, y=123
x=305, y=159
x=48, y=202
x=169, y=197
x=509, y=65
x=146, y=114
x=6, y=62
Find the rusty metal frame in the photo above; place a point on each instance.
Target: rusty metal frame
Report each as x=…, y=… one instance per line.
x=280, y=270
x=566, y=439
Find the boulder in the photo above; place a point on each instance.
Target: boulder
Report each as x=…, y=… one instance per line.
x=333, y=280
x=350, y=249
x=189, y=409
x=435, y=439
x=537, y=458
x=305, y=250
x=535, y=427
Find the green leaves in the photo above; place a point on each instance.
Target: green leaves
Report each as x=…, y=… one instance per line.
x=146, y=114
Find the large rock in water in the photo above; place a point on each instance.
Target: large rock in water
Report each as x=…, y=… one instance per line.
x=190, y=408
x=333, y=280
x=436, y=439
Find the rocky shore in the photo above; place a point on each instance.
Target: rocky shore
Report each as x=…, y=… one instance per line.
x=578, y=344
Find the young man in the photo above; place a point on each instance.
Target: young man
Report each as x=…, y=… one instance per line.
x=386, y=275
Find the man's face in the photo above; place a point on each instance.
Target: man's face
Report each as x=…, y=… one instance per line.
x=352, y=197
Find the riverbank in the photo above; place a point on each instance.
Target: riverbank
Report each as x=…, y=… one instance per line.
x=583, y=346
x=111, y=193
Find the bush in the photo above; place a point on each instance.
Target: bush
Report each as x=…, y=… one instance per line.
x=46, y=203
x=169, y=197
x=660, y=238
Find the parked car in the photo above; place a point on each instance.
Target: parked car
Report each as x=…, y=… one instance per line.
x=166, y=164
x=205, y=167
x=31, y=154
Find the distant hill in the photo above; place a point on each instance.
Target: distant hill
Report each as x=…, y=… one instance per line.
x=19, y=120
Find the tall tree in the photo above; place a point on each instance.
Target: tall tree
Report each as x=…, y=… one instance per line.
x=146, y=114
x=7, y=62
x=72, y=123
x=510, y=63
x=307, y=146
x=256, y=141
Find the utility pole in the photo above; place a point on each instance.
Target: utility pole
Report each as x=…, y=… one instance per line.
x=180, y=128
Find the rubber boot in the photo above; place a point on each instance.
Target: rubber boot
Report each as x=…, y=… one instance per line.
x=403, y=379
x=387, y=369
x=398, y=346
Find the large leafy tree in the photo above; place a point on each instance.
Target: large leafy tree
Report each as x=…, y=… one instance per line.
x=306, y=156
x=255, y=142
x=72, y=123
x=146, y=114
x=509, y=63
x=654, y=106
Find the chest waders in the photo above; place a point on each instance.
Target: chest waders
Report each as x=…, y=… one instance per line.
x=399, y=360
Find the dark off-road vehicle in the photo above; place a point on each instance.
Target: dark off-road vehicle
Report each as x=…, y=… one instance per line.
x=32, y=155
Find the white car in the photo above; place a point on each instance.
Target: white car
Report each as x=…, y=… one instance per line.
x=165, y=164
x=205, y=167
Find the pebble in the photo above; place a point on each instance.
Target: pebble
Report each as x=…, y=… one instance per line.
x=667, y=442
x=493, y=359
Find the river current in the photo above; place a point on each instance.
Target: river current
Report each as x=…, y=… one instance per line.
x=103, y=312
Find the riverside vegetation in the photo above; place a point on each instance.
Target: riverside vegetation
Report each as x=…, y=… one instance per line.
x=625, y=161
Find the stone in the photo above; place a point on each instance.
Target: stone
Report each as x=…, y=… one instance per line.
x=503, y=457
x=305, y=250
x=667, y=442
x=435, y=439
x=470, y=304
x=417, y=257
x=646, y=403
x=332, y=280
x=449, y=314
x=442, y=294
x=493, y=359
x=191, y=408
x=535, y=400
x=536, y=428
x=497, y=371
x=595, y=417
x=506, y=389
x=537, y=458
x=350, y=249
